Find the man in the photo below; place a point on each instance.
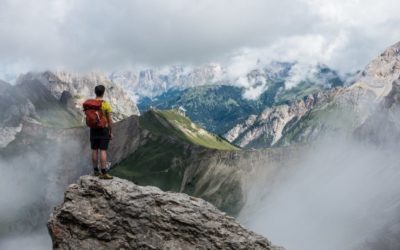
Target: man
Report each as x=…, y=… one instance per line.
x=99, y=119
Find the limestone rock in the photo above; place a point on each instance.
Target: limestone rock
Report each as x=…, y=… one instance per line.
x=268, y=127
x=117, y=214
x=80, y=87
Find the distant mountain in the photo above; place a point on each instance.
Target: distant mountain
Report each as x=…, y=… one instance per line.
x=153, y=82
x=54, y=99
x=75, y=88
x=218, y=108
x=337, y=110
x=215, y=107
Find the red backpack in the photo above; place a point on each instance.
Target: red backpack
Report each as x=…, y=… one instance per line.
x=95, y=117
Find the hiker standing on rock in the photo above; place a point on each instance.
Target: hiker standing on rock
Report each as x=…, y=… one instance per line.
x=98, y=117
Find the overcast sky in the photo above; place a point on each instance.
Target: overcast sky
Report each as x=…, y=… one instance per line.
x=108, y=35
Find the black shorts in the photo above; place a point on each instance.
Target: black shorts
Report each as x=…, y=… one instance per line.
x=99, y=138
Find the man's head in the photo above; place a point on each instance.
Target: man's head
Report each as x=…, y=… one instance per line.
x=99, y=90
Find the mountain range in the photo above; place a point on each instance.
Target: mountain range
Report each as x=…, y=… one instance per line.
x=263, y=137
x=221, y=103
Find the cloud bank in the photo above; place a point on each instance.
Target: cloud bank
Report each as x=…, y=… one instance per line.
x=87, y=35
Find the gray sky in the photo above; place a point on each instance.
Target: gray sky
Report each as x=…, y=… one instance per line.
x=108, y=35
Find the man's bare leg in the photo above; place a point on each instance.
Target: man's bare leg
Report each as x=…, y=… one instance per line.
x=103, y=159
x=95, y=158
x=103, y=164
x=95, y=161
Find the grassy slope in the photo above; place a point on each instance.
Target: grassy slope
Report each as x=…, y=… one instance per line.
x=157, y=163
x=171, y=123
x=163, y=158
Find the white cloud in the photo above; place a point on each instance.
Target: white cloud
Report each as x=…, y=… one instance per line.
x=85, y=35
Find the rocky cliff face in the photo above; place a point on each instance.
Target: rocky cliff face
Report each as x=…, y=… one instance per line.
x=274, y=123
x=267, y=128
x=53, y=158
x=55, y=100
x=380, y=73
x=382, y=127
x=117, y=214
x=75, y=88
x=342, y=109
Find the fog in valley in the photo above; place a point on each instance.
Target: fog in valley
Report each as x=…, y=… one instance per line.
x=345, y=194
x=32, y=184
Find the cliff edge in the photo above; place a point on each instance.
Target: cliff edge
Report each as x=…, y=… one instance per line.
x=117, y=214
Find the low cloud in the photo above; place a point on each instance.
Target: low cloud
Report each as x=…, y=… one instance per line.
x=344, y=194
x=87, y=35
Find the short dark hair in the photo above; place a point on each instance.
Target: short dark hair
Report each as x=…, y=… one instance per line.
x=99, y=90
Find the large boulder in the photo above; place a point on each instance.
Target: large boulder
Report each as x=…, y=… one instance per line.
x=117, y=214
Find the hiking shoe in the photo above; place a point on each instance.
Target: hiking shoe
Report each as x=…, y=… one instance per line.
x=96, y=173
x=106, y=176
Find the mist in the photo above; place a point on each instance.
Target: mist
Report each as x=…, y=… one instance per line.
x=344, y=194
x=33, y=182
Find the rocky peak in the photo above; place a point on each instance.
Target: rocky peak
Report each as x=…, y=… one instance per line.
x=380, y=73
x=80, y=87
x=267, y=128
x=117, y=214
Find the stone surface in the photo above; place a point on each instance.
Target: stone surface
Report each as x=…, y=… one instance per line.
x=117, y=214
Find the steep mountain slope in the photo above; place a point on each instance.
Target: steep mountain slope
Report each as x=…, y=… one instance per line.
x=42, y=161
x=158, y=149
x=380, y=73
x=170, y=142
x=216, y=97
x=55, y=100
x=205, y=166
x=220, y=107
x=74, y=88
x=340, y=110
x=383, y=126
x=300, y=121
x=215, y=107
x=382, y=129
x=174, y=124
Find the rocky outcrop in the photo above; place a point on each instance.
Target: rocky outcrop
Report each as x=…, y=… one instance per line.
x=117, y=214
x=53, y=158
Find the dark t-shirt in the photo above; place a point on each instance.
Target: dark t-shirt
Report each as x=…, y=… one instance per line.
x=99, y=133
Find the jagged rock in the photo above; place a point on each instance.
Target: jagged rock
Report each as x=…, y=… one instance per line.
x=383, y=126
x=267, y=128
x=117, y=214
x=80, y=87
x=153, y=82
x=380, y=73
x=359, y=100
